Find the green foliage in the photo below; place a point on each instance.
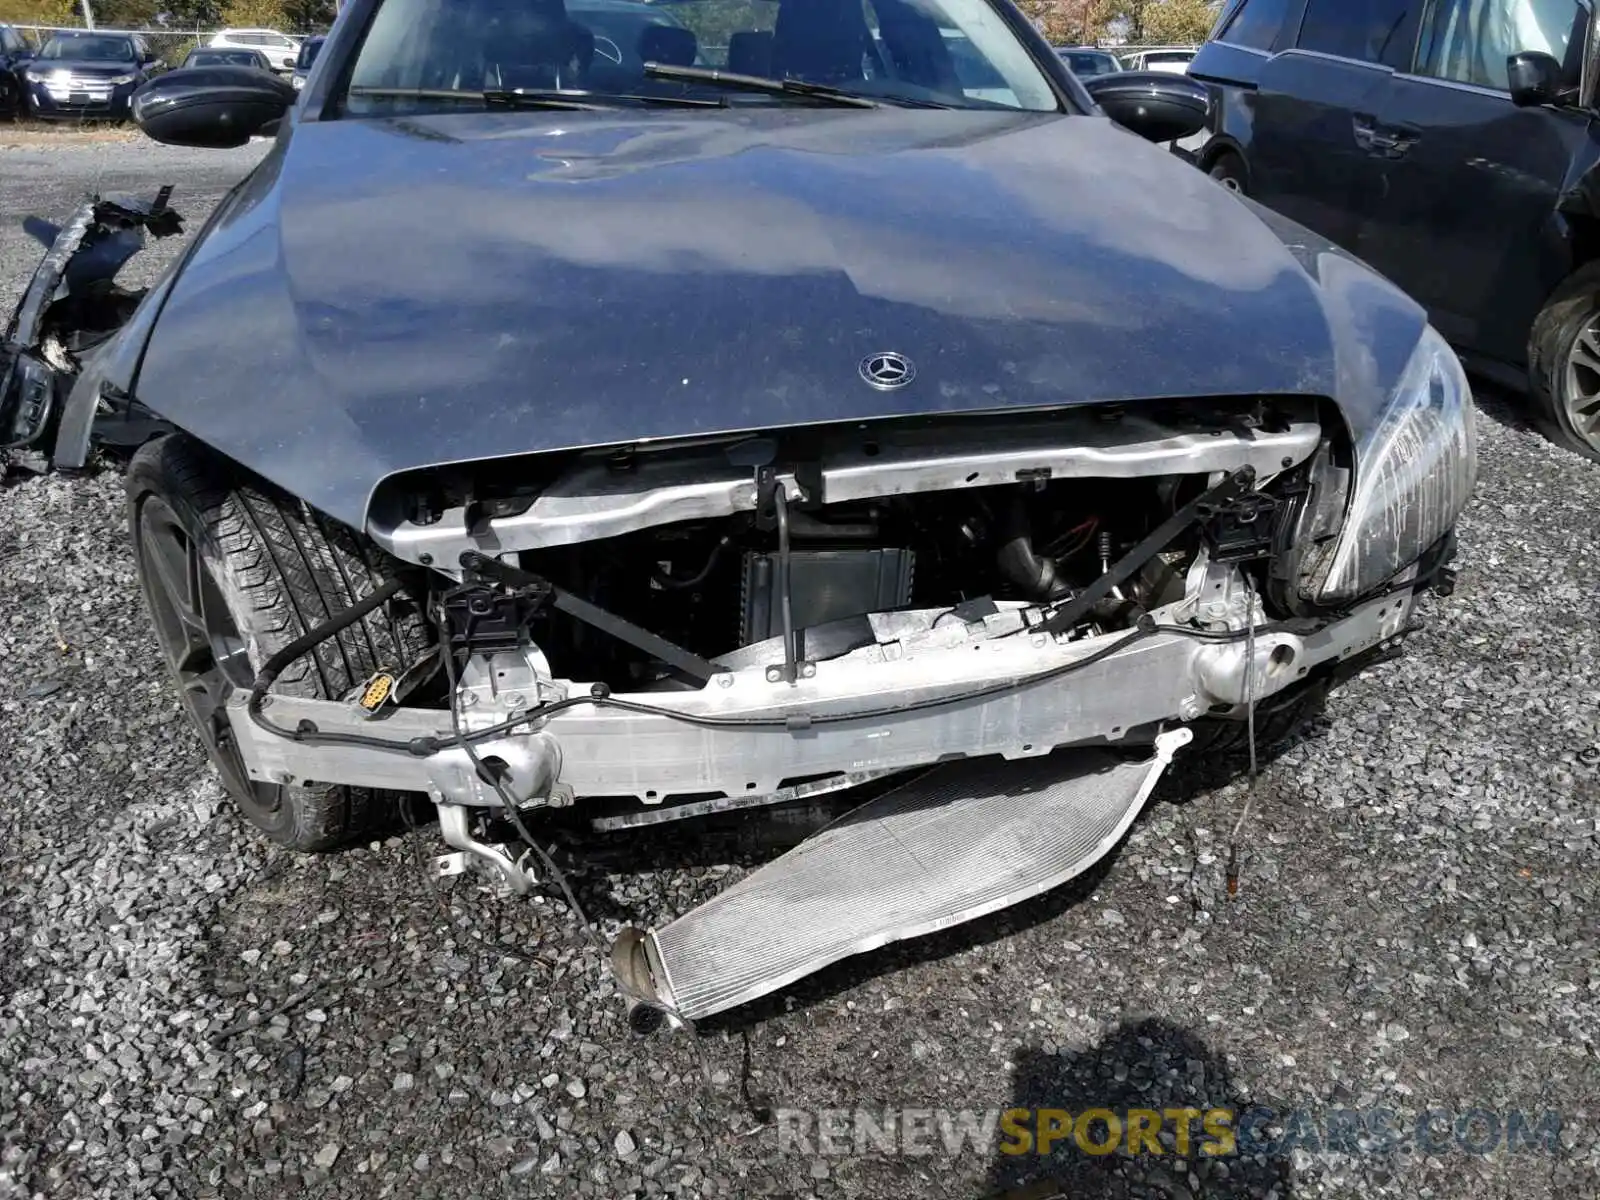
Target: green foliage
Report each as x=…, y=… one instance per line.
x=39, y=12
x=1074, y=22
x=1179, y=21
x=1085, y=22
x=1169, y=21
x=309, y=16
x=255, y=14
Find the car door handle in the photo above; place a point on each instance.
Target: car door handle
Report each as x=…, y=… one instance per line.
x=1389, y=142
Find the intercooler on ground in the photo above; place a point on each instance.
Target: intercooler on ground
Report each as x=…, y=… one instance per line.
x=961, y=841
x=824, y=586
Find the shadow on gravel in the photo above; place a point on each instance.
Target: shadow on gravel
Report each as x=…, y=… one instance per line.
x=1147, y=1065
x=1504, y=408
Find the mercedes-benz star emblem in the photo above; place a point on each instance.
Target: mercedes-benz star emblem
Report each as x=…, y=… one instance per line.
x=888, y=371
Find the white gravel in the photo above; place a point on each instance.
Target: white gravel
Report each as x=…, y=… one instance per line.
x=1416, y=927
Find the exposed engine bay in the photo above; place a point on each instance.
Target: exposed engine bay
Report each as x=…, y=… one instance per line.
x=785, y=573
x=718, y=587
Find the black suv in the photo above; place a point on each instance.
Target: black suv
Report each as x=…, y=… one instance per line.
x=1450, y=144
x=15, y=55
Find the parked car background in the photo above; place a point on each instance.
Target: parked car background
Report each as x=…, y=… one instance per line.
x=1171, y=59
x=280, y=49
x=1087, y=61
x=80, y=74
x=305, y=59
x=1410, y=137
x=16, y=52
x=213, y=56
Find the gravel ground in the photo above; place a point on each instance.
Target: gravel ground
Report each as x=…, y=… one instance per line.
x=1414, y=929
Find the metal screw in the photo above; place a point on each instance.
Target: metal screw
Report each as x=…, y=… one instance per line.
x=1287, y=462
x=515, y=700
x=808, y=670
x=774, y=674
x=1038, y=642
x=725, y=681
x=425, y=559
x=468, y=699
x=284, y=777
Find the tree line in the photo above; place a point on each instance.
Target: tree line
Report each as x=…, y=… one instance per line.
x=1076, y=21
x=1084, y=22
x=291, y=16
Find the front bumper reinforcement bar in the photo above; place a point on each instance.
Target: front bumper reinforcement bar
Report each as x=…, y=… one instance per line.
x=924, y=706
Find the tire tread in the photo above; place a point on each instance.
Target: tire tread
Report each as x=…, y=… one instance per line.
x=289, y=569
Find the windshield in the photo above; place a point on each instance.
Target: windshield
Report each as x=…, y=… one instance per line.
x=937, y=53
x=95, y=49
x=214, y=58
x=308, y=54
x=1087, y=62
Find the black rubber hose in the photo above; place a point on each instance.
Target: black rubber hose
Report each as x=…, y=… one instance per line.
x=1038, y=576
x=672, y=584
x=309, y=641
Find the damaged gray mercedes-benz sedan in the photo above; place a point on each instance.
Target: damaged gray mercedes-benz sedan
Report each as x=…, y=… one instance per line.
x=843, y=400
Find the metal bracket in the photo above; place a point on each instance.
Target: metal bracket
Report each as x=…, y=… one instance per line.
x=515, y=873
x=674, y=655
x=1069, y=615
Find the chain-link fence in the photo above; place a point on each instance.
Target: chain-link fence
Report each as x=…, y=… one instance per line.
x=1129, y=50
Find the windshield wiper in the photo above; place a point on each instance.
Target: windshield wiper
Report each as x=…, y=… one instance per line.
x=760, y=83
x=567, y=100
x=578, y=98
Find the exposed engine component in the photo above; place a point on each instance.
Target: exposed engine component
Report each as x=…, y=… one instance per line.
x=716, y=587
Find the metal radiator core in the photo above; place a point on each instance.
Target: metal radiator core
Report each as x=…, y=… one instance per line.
x=826, y=585
x=964, y=840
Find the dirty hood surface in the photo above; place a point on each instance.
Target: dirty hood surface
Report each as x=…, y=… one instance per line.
x=383, y=295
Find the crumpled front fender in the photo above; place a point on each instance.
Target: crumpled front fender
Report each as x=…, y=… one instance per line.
x=71, y=313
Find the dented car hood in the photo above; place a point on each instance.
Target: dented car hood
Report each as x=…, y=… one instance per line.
x=385, y=295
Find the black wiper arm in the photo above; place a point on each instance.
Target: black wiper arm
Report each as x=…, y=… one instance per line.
x=577, y=98
x=759, y=83
x=564, y=99
x=505, y=97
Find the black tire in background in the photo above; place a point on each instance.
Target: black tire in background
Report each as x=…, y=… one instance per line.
x=233, y=569
x=1564, y=364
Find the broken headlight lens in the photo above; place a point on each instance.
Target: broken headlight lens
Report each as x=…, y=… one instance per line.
x=1414, y=472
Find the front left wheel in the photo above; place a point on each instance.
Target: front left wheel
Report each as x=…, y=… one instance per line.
x=232, y=570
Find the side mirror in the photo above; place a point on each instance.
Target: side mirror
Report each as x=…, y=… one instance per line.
x=1158, y=106
x=214, y=107
x=1535, y=79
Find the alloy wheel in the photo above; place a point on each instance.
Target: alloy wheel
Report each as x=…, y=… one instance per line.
x=1227, y=177
x=1580, y=396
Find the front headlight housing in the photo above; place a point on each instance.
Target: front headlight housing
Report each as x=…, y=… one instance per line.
x=119, y=80
x=1415, y=470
